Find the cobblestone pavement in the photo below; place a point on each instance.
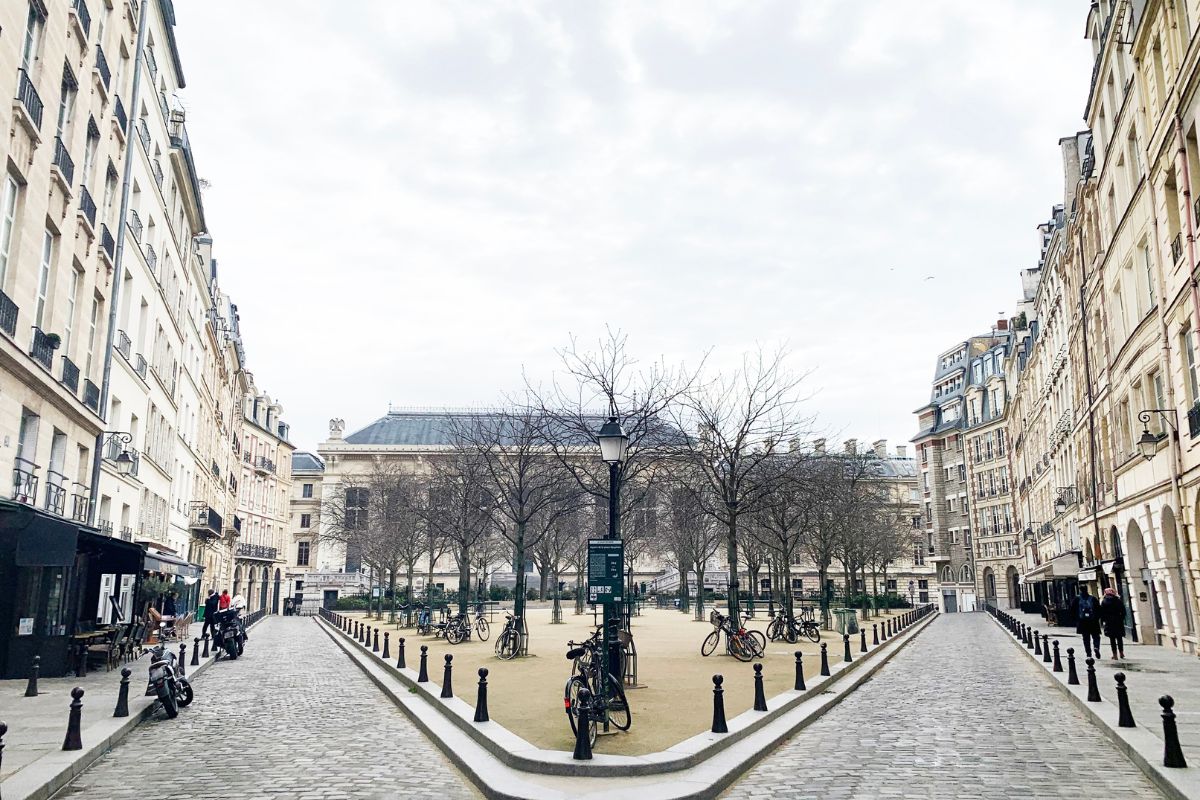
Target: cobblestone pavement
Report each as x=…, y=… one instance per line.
x=290, y=718
x=959, y=713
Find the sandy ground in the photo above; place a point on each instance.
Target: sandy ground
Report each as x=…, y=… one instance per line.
x=674, y=698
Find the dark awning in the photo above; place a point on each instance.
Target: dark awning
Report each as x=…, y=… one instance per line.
x=111, y=555
x=171, y=565
x=42, y=540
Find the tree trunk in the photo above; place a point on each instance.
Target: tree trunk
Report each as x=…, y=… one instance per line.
x=519, y=587
x=556, y=612
x=410, y=569
x=787, y=588
x=735, y=616
x=578, y=591
x=699, y=591
x=464, y=580
x=392, y=589
x=823, y=594
x=685, y=604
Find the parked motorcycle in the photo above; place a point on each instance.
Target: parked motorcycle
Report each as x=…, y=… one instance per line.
x=173, y=690
x=230, y=636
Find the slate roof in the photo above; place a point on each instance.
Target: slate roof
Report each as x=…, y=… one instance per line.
x=306, y=462
x=434, y=428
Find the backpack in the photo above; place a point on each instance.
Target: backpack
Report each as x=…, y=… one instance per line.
x=1087, y=607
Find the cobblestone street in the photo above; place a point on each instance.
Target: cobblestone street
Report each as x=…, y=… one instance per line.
x=291, y=718
x=959, y=713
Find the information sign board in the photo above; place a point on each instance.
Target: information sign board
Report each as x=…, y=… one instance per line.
x=606, y=568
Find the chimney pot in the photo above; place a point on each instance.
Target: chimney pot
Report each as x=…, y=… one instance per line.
x=880, y=447
x=818, y=445
x=851, y=447
x=901, y=451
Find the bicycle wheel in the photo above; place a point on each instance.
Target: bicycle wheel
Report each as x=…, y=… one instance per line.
x=616, y=706
x=571, y=697
x=508, y=645
x=789, y=632
x=759, y=641
x=455, y=634
x=710, y=643
x=740, y=646
x=775, y=629
x=812, y=631
x=482, y=629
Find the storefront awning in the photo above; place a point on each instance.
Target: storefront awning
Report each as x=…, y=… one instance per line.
x=171, y=565
x=1109, y=566
x=1087, y=574
x=1061, y=566
x=43, y=540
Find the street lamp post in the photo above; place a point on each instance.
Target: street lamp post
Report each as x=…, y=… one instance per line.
x=123, y=461
x=614, y=447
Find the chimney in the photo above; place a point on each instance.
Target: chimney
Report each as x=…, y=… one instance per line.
x=1001, y=324
x=818, y=445
x=851, y=446
x=880, y=447
x=901, y=451
x=794, y=445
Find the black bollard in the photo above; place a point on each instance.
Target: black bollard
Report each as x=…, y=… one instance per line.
x=1072, y=675
x=182, y=659
x=481, y=712
x=386, y=654
x=3, y=730
x=862, y=647
x=1093, y=689
x=354, y=633
x=1172, y=752
x=824, y=659
x=423, y=674
x=31, y=689
x=122, y=709
x=447, y=691
x=366, y=640
x=205, y=653
x=760, y=698
x=196, y=652
x=72, y=741
x=874, y=634
x=1057, y=660
x=1030, y=636
x=400, y=653
x=799, y=687
x=846, y=642
x=1125, y=715
x=1045, y=648
x=718, y=725
x=375, y=643
x=1037, y=643
x=583, y=741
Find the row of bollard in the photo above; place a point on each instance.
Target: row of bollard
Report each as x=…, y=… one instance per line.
x=1038, y=643
x=368, y=637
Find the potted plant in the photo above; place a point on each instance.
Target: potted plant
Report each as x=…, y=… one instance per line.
x=53, y=341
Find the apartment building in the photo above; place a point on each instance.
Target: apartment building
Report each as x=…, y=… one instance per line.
x=306, y=557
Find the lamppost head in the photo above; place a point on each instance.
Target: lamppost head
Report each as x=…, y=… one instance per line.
x=614, y=442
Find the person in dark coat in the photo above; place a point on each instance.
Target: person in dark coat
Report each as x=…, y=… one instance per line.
x=1112, y=617
x=210, y=611
x=1087, y=621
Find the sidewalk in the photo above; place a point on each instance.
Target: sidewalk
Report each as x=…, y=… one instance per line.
x=1150, y=672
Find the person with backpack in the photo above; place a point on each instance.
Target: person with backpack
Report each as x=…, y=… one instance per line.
x=1087, y=621
x=1112, y=615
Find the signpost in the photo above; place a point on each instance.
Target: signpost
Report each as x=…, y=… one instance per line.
x=606, y=560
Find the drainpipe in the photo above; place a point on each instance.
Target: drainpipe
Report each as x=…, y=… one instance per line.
x=1087, y=374
x=115, y=296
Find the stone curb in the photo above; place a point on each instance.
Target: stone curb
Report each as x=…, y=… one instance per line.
x=1141, y=747
x=41, y=778
x=752, y=734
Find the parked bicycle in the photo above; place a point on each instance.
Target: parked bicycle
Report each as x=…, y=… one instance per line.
x=790, y=629
x=608, y=705
x=742, y=644
x=512, y=637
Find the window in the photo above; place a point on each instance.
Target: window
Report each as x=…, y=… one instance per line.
x=33, y=36
x=43, y=284
x=891, y=584
x=302, y=554
x=922, y=584
x=1185, y=344
x=946, y=576
x=306, y=490
x=69, y=322
x=306, y=520
x=91, y=342
x=89, y=151
x=66, y=105
x=8, y=216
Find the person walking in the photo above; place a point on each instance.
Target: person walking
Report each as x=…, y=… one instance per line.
x=1112, y=617
x=212, y=604
x=1087, y=621
x=224, y=601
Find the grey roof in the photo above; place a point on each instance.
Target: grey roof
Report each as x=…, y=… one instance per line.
x=409, y=428
x=306, y=462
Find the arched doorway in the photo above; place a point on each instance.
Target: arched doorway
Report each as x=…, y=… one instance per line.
x=250, y=581
x=275, y=594
x=237, y=580
x=1143, y=593
x=262, y=595
x=989, y=585
x=1012, y=580
x=1177, y=570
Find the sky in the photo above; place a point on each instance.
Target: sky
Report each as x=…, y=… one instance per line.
x=416, y=203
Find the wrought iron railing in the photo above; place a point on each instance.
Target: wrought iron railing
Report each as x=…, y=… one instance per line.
x=42, y=348
x=8, y=315
x=105, y=526
x=1194, y=421
x=124, y=345
x=151, y=63
x=144, y=133
x=264, y=464
x=158, y=173
x=81, y=506
x=70, y=375
x=85, y=18
x=28, y=97
x=202, y=517
x=56, y=495
x=140, y=366
x=1177, y=248
x=62, y=160
x=151, y=257
x=127, y=533
x=91, y=395
x=247, y=550
x=25, y=481
x=135, y=225
x=87, y=206
x=107, y=243
x=122, y=117
x=102, y=67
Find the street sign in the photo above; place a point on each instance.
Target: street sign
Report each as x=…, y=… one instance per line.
x=606, y=567
x=376, y=592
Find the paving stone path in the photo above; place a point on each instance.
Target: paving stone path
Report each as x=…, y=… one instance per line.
x=959, y=713
x=291, y=718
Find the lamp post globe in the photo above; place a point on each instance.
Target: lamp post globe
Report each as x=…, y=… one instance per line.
x=1148, y=444
x=124, y=463
x=1060, y=505
x=614, y=442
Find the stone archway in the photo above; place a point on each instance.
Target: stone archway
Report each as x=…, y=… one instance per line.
x=1175, y=586
x=262, y=594
x=237, y=580
x=989, y=585
x=1143, y=594
x=275, y=594
x=250, y=581
x=1012, y=581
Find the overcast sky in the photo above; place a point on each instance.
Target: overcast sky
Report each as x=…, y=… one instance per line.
x=413, y=202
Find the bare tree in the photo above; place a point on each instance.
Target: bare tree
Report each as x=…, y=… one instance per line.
x=458, y=510
x=693, y=539
x=786, y=513
x=739, y=419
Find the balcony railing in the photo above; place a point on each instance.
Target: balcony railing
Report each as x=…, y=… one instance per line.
x=1194, y=421
x=28, y=97
x=70, y=375
x=8, y=315
x=56, y=495
x=264, y=464
x=107, y=243
x=91, y=396
x=25, y=481
x=124, y=345
x=87, y=206
x=115, y=448
x=42, y=348
x=85, y=18
x=151, y=63
x=158, y=173
x=203, y=519
x=140, y=366
x=259, y=551
x=144, y=133
x=122, y=117
x=151, y=257
x=135, y=226
x=1177, y=248
x=102, y=67
x=105, y=526
x=62, y=160
x=81, y=506
x=127, y=533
